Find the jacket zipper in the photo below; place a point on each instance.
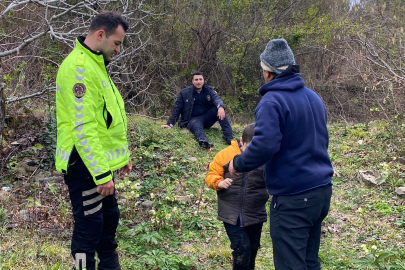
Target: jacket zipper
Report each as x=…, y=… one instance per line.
x=191, y=111
x=242, y=200
x=104, y=110
x=192, y=105
x=112, y=86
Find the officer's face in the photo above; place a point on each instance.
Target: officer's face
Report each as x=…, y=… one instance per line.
x=112, y=45
x=198, y=81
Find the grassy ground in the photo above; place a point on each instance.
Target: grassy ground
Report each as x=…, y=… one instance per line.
x=181, y=230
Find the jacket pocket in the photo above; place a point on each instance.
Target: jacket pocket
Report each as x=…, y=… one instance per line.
x=303, y=201
x=107, y=115
x=73, y=157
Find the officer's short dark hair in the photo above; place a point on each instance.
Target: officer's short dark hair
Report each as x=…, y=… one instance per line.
x=108, y=21
x=248, y=133
x=197, y=73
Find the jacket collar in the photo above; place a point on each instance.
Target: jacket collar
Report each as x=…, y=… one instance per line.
x=292, y=69
x=288, y=80
x=195, y=91
x=96, y=55
x=236, y=143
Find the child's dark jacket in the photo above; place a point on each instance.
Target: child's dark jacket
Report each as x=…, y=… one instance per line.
x=246, y=197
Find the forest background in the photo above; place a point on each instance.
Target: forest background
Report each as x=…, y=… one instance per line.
x=350, y=52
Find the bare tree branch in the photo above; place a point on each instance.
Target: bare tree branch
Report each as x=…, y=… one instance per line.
x=50, y=89
x=23, y=44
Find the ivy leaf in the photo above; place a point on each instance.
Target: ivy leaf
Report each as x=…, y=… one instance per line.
x=37, y=146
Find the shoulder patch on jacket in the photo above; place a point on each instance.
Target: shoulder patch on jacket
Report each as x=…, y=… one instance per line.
x=79, y=89
x=208, y=97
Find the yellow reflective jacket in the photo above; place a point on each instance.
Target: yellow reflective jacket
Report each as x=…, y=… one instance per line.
x=90, y=115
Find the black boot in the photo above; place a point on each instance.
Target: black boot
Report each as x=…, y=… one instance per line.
x=205, y=144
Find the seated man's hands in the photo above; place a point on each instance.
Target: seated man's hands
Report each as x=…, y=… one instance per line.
x=226, y=183
x=221, y=113
x=165, y=126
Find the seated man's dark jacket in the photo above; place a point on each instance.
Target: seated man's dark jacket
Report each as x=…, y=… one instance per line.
x=185, y=100
x=291, y=137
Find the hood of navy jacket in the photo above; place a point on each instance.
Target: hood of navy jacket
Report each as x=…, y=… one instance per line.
x=289, y=80
x=291, y=137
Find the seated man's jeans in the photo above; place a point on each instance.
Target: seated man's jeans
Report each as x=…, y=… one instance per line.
x=197, y=125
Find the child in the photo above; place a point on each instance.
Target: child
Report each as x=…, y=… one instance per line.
x=241, y=202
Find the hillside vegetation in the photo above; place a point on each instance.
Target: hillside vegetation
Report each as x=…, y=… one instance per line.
x=168, y=215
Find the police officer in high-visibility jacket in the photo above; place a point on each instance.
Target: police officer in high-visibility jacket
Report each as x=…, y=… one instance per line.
x=92, y=140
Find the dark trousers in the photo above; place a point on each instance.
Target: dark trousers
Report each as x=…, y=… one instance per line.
x=207, y=120
x=295, y=228
x=245, y=242
x=96, y=220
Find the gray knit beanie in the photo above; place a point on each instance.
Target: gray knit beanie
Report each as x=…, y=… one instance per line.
x=277, y=54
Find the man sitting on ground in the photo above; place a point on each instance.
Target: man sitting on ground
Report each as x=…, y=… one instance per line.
x=200, y=107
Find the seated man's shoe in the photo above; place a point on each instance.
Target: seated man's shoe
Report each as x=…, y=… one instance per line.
x=205, y=144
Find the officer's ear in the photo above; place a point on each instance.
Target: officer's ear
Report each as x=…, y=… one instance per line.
x=100, y=34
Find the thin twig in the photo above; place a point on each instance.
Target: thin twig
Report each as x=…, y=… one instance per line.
x=51, y=89
x=146, y=116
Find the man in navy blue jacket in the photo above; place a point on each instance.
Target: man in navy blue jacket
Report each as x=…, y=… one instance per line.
x=291, y=139
x=200, y=107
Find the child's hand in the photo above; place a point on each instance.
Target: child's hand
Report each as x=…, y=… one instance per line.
x=226, y=183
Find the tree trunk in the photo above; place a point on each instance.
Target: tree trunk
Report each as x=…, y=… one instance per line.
x=2, y=105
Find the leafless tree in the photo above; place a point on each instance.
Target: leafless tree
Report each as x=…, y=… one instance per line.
x=2, y=107
x=38, y=34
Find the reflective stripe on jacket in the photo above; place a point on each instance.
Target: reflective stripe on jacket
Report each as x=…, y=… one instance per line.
x=94, y=124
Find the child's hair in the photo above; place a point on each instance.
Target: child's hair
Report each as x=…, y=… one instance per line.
x=248, y=133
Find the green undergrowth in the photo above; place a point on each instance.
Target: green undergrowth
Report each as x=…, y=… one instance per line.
x=168, y=215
